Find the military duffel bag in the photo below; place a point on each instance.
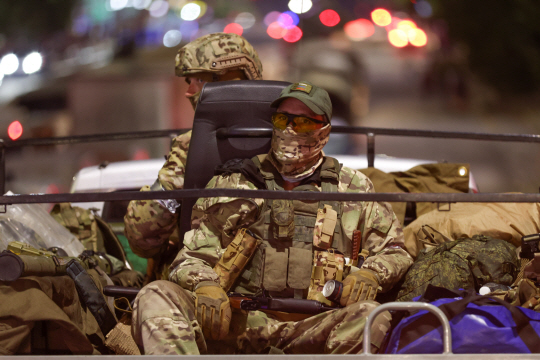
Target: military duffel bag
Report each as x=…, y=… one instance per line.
x=461, y=264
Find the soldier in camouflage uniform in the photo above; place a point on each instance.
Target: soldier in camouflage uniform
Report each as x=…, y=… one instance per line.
x=214, y=57
x=191, y=313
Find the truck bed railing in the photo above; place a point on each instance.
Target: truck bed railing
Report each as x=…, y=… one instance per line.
x=369, y=132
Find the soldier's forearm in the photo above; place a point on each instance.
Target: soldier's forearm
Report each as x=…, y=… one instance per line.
x=391, y=264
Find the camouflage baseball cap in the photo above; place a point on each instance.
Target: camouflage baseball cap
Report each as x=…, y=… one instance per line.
x=218, y=53
x=316, y=98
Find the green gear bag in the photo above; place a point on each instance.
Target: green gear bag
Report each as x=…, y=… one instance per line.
x=461, y=264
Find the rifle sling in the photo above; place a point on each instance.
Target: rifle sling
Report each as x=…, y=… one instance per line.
x=91, y=296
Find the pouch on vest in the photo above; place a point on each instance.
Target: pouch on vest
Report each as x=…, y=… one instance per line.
x=327, y=265
x=282, y=214
x=323, y=233
x=275, y=269
x=235, y=258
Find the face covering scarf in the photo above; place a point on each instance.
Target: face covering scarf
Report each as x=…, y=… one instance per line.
x=297, y=155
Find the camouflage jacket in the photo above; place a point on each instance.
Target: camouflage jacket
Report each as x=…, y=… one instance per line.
x=218, y=220
x=148, y=225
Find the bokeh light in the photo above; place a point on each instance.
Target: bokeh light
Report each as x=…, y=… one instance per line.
x=234, y=28
x=275, y=31
x=271, y=17
x=189, y=28
x=159, y=8
x=381, y=17
x=172, y=38
x=141, y=4
x=15, y=130
x=116, y=5
x=329, y=17
x=417, y=37
x=190, y=11
x=293, y=34
x=245, y=19
x=359, y=29
x=406, y=25
x=288, y=20
x=423, y=8
x=300, y=6
x=1, y=77
x=398, y=38
x=32, y=63
x=9, y=64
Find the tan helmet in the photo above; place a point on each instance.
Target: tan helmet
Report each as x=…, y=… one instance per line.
x=218, y=53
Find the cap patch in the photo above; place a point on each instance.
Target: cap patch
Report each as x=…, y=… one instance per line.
x=301, y=87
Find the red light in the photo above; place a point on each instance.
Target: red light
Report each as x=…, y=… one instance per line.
x=15, y=130
x=234, y=28
x=293, y=34
x=329, y=17
x=359, y=29
x=275, y=31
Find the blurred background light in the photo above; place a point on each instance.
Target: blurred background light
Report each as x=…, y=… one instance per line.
x=15, y=130
x=172, y=38
x=300, y=6
x=417, y=37
x=288, y=20
x=271, y=17
x=189, y=28
x=423, y=8
x=159, y=8
x=275, y=31
x=245, y=19
x=381, y=17
x=398, y=38
x=359, y=29
x=116, y=5
x=32, y=63
x=9, y=64
x=293, y=34
x=406, y=25
x=190, y=11
x=329, y=17
x=234, y=28
x=1, y=77
x=141, y=4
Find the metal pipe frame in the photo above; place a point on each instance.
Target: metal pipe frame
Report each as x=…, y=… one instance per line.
x=447, y=335
x=267, y=194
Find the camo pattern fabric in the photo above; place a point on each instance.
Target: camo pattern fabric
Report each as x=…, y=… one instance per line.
x=297, y=155
x=200, y=54
x=164, y=322
x=331, y=267
x=148, y=225
x=381, y=232
x=461, y=264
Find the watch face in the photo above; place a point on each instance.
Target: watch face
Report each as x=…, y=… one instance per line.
x=328, y=288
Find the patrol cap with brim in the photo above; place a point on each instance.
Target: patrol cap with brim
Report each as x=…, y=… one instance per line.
x=316, y=98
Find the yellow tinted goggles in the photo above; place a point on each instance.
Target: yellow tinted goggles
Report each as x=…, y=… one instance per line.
x=300, y=123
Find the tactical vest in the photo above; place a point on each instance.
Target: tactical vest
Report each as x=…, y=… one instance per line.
x=269, y=266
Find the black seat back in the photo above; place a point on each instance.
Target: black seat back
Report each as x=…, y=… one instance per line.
x=227, y=104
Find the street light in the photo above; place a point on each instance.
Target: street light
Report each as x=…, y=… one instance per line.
x=32, y=63
x=9, y=64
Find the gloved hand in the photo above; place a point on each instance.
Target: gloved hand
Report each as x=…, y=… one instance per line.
x=213, y=310
x=359, y=285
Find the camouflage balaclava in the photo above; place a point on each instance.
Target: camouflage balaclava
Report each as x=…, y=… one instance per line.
x=297, y=155
x=217, y=54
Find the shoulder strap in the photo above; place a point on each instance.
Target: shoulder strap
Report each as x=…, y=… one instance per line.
x=330, y=169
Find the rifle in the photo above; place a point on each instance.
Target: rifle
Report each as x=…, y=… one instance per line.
x=24, y=260
x=288, y=305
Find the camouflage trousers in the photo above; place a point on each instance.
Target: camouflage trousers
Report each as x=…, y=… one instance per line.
x=164, y=322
